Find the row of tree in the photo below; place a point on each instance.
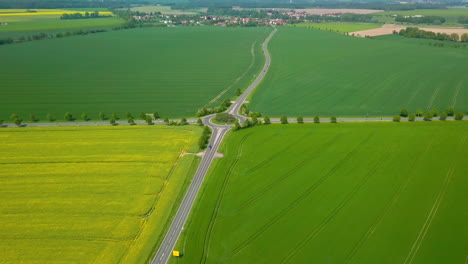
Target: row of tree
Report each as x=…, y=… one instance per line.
x=86, y=15
x=413, y=32
x=428, y=115
x=204, y=138
x=436, y=20
x=42, y=35
x=208, y=111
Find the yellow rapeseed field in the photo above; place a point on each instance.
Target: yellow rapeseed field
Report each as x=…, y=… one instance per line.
x=41, y=12
x=90, y=194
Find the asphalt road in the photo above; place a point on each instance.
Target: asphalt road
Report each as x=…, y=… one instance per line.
x=235, y=107
x=218, y=132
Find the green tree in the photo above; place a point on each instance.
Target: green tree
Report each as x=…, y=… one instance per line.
x=434, y=112
x=166, y=120
x=114, y=116
x=333, y=119
x=316, y=119
x=411, y=117
x=419, y=113
x=13, y=117
x=300, y=120
x=450, y=111
x=102, y=116
x=237, y=126
x=142, y=116
x=50, y=117
x=254, y=121
x=284, y=120
x=129, y=115
x=428, y=116
x=238, y=92
x=68, y=116
x=266, y=120
x=32, y=118
x=459, y=116
x=149, y=120
x=247, y=124
x=464, y=37
x=131, y=121
x=84, y=116
x=200, y=122
x=156, y=116
x=454, y=37
x=396, y=118
x=443, y=117
x=404, y=112
x=112, y=121
x=183, y=121
x=18, y=121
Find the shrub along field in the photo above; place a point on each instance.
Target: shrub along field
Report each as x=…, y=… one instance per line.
x=334, y=193
x=90, y=194
x=138, y=70
x=316, y=72
x=340, y=27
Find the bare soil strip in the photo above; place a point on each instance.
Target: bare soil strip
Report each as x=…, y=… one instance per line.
x=387, y=29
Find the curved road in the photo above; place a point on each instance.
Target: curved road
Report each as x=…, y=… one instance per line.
x=218, y=132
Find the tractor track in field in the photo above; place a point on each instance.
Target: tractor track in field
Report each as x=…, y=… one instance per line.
x=290, y=172
x=435, y=207
x=335, y=211
x=288, y=208
x=214, y=215
x=349, y=259
x=272, y=157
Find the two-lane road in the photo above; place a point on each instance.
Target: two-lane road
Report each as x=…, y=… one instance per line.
x=218, y=132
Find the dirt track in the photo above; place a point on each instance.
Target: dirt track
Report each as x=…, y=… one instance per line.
x=388, y=29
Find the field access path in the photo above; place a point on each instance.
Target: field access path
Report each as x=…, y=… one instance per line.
x=218, y=133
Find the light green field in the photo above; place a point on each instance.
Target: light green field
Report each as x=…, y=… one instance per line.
x=451, y=15
x=334, y=193
x=90, y=194
x=340, y=27
x=138, y=70
x=322, y=73
x=166, y=10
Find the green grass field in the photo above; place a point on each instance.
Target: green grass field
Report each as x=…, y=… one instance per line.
x=340, y=27
x=451, y=15
x=139, y=70
x=90, y=194
x=334, y=193
x=316, y=72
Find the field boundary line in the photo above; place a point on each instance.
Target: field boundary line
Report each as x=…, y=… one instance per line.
x=435, y=207
x=288, y=208
x=219, y=200
x=290, y=172
x=395, y=198
x=337, y=209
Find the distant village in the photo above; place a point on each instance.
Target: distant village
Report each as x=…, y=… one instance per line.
x=287, y=17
